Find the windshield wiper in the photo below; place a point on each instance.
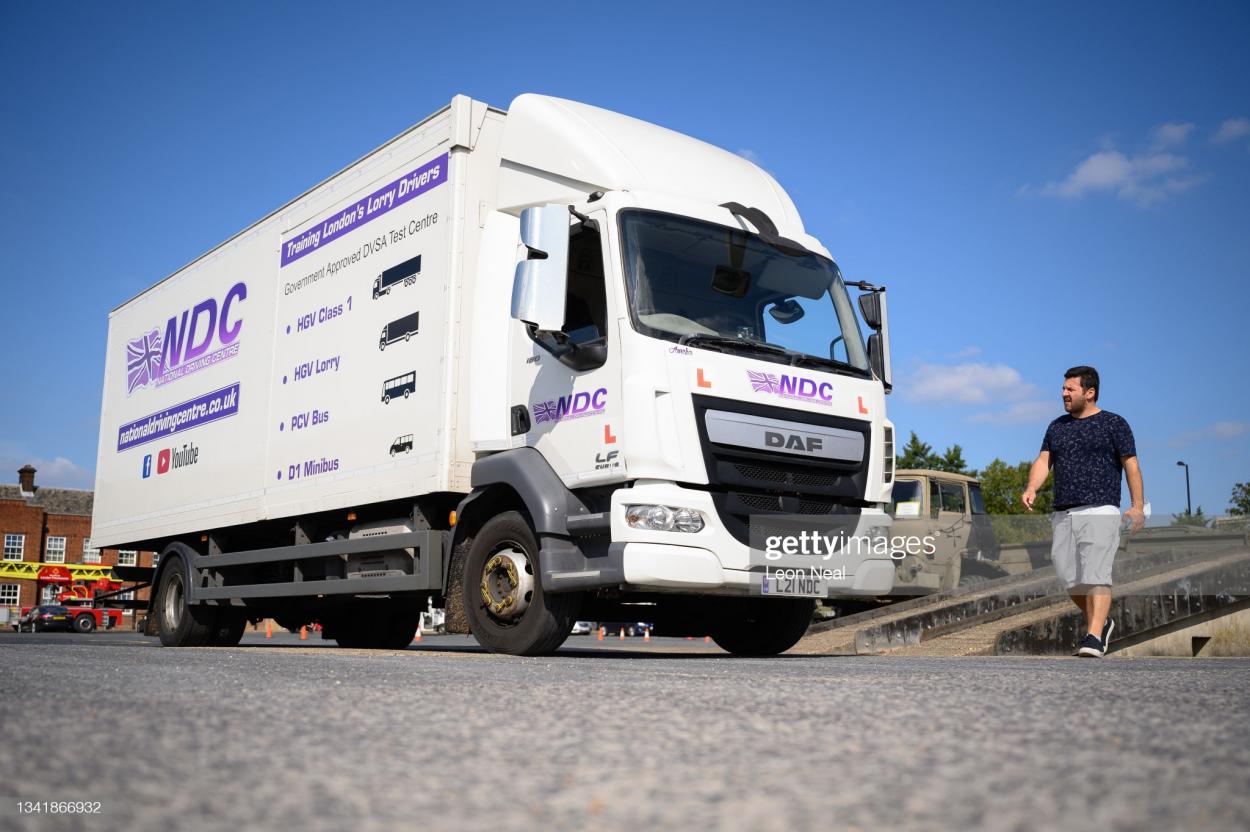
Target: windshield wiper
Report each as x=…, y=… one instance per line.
x=832, y=364
x=697, y=338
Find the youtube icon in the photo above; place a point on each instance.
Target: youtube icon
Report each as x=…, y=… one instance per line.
x=162, y=462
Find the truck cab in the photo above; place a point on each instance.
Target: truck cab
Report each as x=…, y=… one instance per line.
x=682, y=360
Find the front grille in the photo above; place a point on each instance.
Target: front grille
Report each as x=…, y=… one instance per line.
x=759, y=472
x=761, y=502
x=746, y=481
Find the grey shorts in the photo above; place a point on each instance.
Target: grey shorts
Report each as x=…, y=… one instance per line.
x=1084, y=545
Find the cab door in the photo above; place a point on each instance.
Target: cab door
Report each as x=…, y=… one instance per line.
x=567, y=386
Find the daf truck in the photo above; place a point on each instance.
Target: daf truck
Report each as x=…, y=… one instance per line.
x=632, y=358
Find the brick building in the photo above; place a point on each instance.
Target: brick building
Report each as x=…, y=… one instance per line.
x=46, y=538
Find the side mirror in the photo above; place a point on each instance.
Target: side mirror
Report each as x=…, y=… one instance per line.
x=541, y=281
x=876, y=315
x=870, y=307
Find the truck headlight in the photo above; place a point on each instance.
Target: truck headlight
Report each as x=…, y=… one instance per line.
x=663, y=519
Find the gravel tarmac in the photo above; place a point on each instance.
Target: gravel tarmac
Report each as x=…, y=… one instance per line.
x=282, y=734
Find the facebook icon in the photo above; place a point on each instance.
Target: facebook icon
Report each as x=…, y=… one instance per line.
x=147, y=466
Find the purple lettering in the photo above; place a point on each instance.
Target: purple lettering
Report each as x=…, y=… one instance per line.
x=826, y=391
x=175, y=337
x=224, y=335
x=807, y=388
x=196, y=350
x=580, y=402
x=787, y=386
x=562, y=406
x=598, y=400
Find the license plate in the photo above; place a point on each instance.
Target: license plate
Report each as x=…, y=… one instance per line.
x=796, y=583
x=58, y=618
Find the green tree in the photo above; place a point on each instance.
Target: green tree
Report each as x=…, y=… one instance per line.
x=916, y=454
x=1239, y=502
x=1187, y=519
x=952, y=461
x=920, y=455
x=1002, y=484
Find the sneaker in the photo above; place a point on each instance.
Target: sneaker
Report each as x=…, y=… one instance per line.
x=1092, y=647
x=1107, y=630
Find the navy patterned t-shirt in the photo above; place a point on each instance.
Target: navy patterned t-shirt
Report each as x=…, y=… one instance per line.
x=1085, y=454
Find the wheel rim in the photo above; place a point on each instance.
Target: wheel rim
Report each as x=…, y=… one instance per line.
x=171, y=610
x=507, y=584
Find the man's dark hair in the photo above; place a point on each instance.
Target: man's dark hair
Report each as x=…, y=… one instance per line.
x=1088, y=377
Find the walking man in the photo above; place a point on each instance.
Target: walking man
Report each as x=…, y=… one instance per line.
x=1088, y=448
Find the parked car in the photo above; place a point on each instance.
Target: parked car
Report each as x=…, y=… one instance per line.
x=46, y=617
x=580, y=628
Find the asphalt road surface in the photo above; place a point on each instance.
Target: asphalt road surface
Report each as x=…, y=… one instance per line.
x=288, y=734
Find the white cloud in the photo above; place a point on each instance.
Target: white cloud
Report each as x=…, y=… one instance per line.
x=966, y=352
x=967, y=383
x=1020, y=413
x=1145, y=179
x=1171, y=134
x=1225, y=431
x=1232, y=130
x=56, y=473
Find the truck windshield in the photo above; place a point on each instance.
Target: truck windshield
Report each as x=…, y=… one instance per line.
x=719, y=287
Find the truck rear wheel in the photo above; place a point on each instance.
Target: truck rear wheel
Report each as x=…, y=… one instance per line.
x=178, y=622
x=504, y=602
x=229, y=629
x=761, y=626
x=84, y=624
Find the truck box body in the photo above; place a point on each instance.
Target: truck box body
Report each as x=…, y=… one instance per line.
x=249, y=384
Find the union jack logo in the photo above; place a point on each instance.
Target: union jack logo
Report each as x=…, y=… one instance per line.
x=763, y=382
x=143, y=360
x=546, y=412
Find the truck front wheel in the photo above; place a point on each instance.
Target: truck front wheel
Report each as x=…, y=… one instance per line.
x=504, y=602
x=84, y=624
x=178, y=622
x=761, y=626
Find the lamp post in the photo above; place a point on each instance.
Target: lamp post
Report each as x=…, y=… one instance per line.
x=1189, y=506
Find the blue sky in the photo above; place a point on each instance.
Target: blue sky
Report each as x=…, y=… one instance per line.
x=1040, y=185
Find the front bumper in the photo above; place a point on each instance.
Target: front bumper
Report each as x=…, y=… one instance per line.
x=712, y=561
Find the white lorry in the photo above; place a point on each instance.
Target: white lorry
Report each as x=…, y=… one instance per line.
x=629, y=351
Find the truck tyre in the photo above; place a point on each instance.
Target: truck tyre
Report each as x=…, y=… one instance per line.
x=229, y=629
x=179, y=623
x=504, y=602
x=761, y=626
x=84, y=624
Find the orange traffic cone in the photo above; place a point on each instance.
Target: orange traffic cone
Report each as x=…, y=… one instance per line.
x=303, y=633
x=601, y=631
x=268, y=628
x=707, y=639
x=646, y=635
x=417, y=638
x=622, y=636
